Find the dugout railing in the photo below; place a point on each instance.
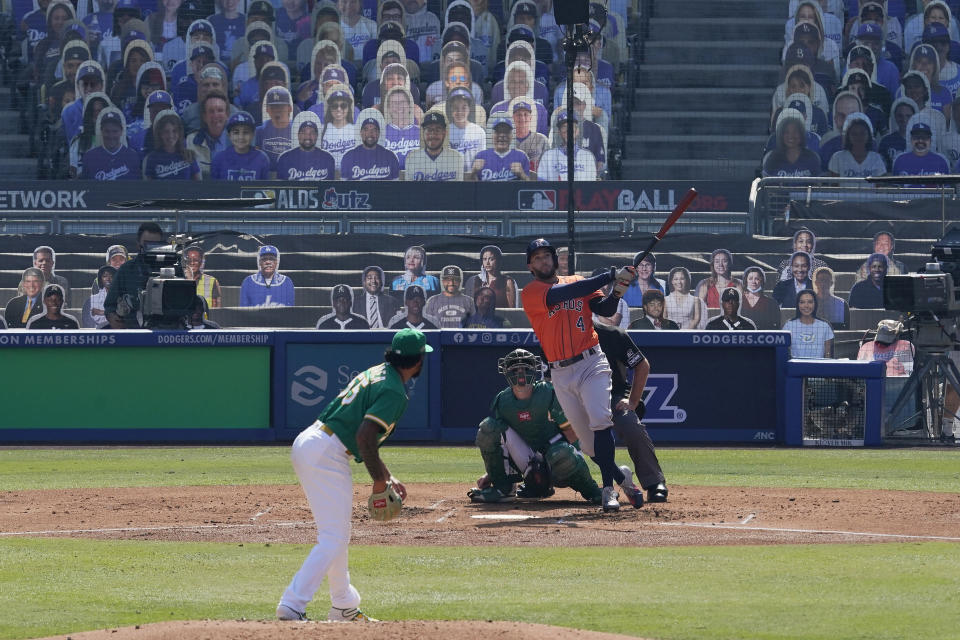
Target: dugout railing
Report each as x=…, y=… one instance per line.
x=770, y=198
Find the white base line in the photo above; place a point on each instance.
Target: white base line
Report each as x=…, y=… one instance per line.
x=737, y=527
x=167, y=528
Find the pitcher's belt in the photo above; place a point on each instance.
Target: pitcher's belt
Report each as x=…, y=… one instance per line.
x=327, y=430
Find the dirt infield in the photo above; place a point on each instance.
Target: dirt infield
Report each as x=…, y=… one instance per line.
x=403, y=630
x=440, y=514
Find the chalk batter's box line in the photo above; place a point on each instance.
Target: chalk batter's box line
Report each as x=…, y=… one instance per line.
x=866, y=534
x=164, y=528
x=701, y=525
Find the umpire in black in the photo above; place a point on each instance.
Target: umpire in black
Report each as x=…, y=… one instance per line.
x=628, y=408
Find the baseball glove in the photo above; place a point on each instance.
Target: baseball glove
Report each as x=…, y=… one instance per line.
x=537, y=481
x=385, y=505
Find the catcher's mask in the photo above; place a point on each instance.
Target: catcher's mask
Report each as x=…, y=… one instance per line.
x=520, y=367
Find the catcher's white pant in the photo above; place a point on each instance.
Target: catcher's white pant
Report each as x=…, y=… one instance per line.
x=323, y=467
x=518, y=451
x=583, y=390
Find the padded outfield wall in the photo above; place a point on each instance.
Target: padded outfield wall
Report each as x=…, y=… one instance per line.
x=264, y=386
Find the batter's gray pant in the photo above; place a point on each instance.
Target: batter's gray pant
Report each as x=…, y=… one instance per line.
x=631, y=432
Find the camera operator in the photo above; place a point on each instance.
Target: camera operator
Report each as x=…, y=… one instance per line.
x=888, y=347
x=123, y=299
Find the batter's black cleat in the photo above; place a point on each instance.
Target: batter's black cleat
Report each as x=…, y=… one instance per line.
x=657, y=493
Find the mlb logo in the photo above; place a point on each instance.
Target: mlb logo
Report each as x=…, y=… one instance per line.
x=524, y=416
x=537, y=199
x=260, y=194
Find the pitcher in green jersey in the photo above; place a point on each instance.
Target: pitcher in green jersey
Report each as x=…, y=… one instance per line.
x=353, y=425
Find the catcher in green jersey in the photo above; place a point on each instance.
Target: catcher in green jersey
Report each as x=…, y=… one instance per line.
x=527, y=437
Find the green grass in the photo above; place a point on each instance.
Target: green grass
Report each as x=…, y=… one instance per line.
x=829, y=592
x=904, y=469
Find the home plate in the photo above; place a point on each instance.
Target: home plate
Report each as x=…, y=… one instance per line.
x=503, y=516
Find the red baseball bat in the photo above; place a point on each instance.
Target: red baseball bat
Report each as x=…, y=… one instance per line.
x=674, y=216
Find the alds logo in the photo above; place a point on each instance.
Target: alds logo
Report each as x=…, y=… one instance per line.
x=524, y=416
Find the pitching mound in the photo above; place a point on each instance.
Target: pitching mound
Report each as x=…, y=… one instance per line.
x=403, y=630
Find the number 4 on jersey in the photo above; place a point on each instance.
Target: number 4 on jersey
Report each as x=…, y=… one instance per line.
x=580, y=323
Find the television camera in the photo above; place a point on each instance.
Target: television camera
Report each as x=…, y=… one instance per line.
x=930, y=301
x=168, y=298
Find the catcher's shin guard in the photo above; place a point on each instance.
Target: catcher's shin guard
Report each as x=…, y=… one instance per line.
x=491, y=451
x=571, y=470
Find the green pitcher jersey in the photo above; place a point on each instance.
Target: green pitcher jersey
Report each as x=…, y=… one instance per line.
x=376, y=394
x=537, y=420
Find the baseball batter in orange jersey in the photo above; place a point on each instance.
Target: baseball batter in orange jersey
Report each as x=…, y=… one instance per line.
x=560, y=311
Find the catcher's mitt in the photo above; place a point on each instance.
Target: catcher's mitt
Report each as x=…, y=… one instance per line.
x=385, y=505
x=537, y=480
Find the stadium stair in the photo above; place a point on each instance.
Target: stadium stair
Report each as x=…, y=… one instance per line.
x=15, y=161
x=705, y=79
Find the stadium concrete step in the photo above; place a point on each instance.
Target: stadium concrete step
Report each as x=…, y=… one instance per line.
x=16, y=165
x=708, y=51
x=9, y=122
x=704, y=122
x=755, y=76
x=770, y=9
x=737, y=147
x=656, y=168
x=692, y=99
x=703, y=95
x=729, y=29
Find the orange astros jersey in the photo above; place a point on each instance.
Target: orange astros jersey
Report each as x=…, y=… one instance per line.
x=565, y=329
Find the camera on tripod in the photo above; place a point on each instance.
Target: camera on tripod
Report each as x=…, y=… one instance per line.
x=167, y=298
x=931, y=298
x=931, y=304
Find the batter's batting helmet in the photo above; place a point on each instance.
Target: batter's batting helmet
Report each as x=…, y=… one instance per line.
x=541, y=243
x=520, y=367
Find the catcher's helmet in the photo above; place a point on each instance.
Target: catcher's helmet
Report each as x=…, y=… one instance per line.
x=520, y=367
x=541, y=243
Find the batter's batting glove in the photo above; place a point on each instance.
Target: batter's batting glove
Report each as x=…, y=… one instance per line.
x=385, y=505
x=624, y=277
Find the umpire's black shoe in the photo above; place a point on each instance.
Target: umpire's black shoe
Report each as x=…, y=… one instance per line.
x=657, y=493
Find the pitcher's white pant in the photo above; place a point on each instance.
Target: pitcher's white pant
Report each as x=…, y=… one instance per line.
x=323, y=468
x=583, y=390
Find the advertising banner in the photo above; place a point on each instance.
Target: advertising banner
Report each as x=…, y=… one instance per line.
x=697, y=382
x=316, y=373
x=648, y=195
x=174, y=390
